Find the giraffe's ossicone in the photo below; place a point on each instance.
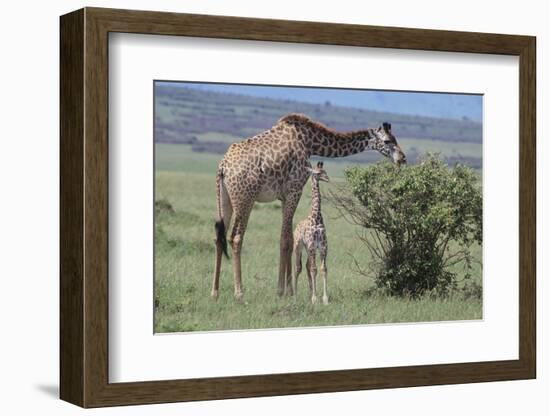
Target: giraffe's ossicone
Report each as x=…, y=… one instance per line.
x=275, y=165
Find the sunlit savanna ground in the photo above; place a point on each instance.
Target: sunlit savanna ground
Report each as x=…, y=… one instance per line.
x=184, y=260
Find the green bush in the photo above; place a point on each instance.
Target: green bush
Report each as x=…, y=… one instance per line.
x=419, y=221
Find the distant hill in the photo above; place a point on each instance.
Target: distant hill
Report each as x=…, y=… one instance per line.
x=210, y=120
x=426, y=104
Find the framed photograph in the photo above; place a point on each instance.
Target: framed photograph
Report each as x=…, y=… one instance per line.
x=254, y=207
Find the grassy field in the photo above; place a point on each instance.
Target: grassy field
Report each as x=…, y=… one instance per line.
x=184, y=260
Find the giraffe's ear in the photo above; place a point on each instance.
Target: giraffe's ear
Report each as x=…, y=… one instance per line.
x=387, y=126
x=319, y=165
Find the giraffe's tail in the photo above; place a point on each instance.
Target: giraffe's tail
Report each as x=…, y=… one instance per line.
x=220, y=236
x=220, y=225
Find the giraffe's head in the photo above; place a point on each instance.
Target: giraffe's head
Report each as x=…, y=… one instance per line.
x=319, y=173
x=385, y=142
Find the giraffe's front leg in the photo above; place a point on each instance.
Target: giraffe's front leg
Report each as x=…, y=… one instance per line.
x=288, y=274
x=298, y=264
x=312, y=273
x=285, y=263
x=308, y=270
x=282, y=264
x=324, y=276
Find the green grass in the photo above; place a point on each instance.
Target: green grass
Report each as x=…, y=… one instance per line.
x=180, y=158
x=184, y=260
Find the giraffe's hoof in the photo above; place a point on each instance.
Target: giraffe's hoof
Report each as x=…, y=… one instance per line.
x=280, y=292
x=313, y=300
x=239, y=297
x=325, y=300
x=214, y=294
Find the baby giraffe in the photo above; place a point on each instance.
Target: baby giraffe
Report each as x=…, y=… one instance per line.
x=311, y=234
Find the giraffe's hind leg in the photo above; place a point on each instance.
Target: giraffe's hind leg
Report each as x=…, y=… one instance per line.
x=217, y=270
x=226, y=211
x=237, y=236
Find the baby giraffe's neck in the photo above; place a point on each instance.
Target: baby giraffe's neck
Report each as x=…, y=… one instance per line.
x=315, y=212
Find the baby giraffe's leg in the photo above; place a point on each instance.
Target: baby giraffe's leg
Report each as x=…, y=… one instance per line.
x=312, y=275
x=298, y=260
x=324, y=275
x=308, y=270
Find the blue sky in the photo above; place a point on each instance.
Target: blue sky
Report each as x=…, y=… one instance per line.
x=440, y=105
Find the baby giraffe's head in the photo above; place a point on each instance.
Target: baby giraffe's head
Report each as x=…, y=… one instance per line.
x=318, y=173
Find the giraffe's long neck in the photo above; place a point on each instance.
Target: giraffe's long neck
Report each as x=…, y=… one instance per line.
x=317, y=139
x=315, y=212
x=332, y=144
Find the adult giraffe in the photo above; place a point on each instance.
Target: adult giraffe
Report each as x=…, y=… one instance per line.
x=275, y=165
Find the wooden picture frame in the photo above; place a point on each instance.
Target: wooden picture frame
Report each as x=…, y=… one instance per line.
x=84, y=207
